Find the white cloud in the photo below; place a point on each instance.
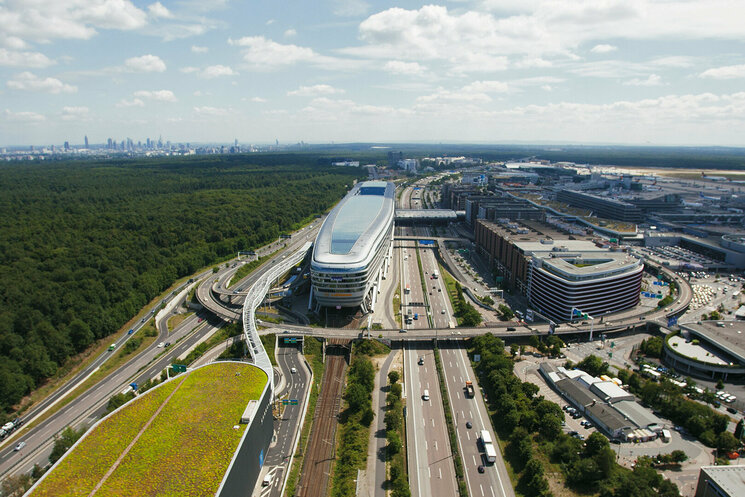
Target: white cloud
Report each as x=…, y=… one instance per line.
x=46, y=20
x=75, y=114
x=263, y=53
x=23, y=117
x=27, y=81
x=13, y=42
x=652, y=80
x=725, y=72
x=538, y=32
x=198, y=49
x=258, y=100
x=603, y=48
x=210, y=72
x=135, y=102
x=463, y=95
x=23, y=59
x=401, y=67
x=157, y=9
x=350, y=8
x=145, y=63
x=289, y=33
x=160, y=95
x=207, y=111
x=486, y=87
x=216, y=71
x=315, y=90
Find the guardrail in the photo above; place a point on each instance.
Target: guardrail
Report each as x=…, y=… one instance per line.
x=254, y=298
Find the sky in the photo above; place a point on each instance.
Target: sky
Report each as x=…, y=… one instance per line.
x=645, y=72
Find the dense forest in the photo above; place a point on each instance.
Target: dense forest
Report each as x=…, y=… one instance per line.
x=85, y=245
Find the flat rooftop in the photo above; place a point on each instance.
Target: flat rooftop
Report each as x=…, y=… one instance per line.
x=730, y=337
x=176, y=439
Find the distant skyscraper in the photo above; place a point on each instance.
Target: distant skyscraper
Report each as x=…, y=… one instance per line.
x=67, y=146
x=86, y=141
x=236, y=142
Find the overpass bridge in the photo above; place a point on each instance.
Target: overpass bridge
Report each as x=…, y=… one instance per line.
x=429, y=216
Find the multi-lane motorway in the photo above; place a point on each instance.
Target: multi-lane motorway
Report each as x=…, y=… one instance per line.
x=431, y=468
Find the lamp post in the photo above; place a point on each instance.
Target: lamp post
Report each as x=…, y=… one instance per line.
x=583, y=315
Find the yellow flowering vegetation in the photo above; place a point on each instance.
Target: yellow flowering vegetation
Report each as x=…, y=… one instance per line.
x=186, y=449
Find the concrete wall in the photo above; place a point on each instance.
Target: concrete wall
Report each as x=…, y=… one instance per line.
x=244, y=470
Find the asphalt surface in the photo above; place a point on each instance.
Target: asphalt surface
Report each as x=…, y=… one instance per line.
x=494, y=481
x=287, y=425
x=431, y=469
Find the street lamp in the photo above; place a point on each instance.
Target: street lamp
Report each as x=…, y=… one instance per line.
x=576, y=313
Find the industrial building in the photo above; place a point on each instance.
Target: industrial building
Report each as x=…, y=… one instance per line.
x=559, y=273
x=606, y=207
x=353, y=249
x=720, y=481
x=611, y=408
x=708, y=349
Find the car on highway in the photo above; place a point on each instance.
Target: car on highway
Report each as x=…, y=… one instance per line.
x=293, y=370
x=112, y=347
x=469, y=425
x=167, y=344
x=481, y=468
x=442, y=311
x=20, y=446
x=131, y=331
x=161, y=345
x=421, y=360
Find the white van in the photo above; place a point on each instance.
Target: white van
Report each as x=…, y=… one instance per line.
x=425, y=396
x=267, y=480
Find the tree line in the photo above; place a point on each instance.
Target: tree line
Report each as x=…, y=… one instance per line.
x=86, y=245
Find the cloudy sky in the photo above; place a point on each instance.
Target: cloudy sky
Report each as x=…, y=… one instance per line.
x=492, y=71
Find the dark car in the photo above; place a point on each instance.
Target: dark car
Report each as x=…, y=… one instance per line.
x=469, y=425
x=481, y=468
x=168, y=344
x=510, y=329
x=130, y=331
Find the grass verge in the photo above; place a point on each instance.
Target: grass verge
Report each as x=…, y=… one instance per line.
x=354, y=425
x=312, y=351
x=176, y=320
x=457, y=461
x=268, y=342
x=452, y=290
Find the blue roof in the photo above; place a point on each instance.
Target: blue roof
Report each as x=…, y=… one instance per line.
x=352, y=229
x=356, y=217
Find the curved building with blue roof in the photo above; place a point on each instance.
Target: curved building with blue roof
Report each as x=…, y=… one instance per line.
x=353, y=247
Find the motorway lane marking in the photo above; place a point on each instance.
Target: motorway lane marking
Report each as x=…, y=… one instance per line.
x=457, y=394
x=468, y=435
x=426, y=445
x=492, y=492
x=474, y=459
x=482, y=489
x=440, y=473
x=433, y=422
x=435, y=444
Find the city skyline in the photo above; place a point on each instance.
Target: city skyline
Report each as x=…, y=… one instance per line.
x=645, y=72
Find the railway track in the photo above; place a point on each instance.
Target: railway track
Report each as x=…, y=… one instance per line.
x=319, y=455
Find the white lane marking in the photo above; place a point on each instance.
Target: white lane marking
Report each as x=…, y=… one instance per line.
x=468, y=435
x=426, y=445
x=474, y=460
x=433, y=422
x=435, y=444
x=440, y=473
x=482, y=490
x=492, y=492
x=457, y=394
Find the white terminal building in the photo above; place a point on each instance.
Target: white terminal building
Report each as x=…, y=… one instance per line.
x=353, y=249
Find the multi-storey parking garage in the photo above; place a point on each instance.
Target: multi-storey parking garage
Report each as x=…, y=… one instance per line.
x=353, y=248
x=595, y=284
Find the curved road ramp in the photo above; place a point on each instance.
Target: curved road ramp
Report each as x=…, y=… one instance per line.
x=180, y=438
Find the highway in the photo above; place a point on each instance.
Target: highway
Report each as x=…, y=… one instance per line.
x=495, y=481
x=87, y=407
x=431, y=468
x=286, y=427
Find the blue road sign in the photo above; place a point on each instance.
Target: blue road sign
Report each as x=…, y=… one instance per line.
x=672, y=321
x=426, y=242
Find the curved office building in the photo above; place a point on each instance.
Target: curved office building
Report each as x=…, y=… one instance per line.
x=595, y=284
x=353, y=248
